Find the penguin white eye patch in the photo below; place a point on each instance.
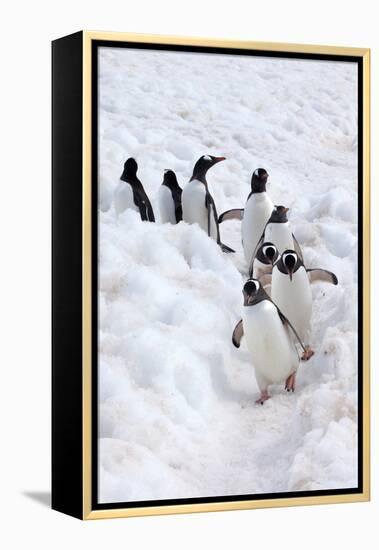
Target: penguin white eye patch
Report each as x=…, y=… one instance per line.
x=207, y=157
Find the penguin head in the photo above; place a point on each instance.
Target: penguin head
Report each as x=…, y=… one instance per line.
x=203, y=164
x=169, y=178
x=250, y=291
x=279, y=215
x=259, y=180
x=267, y=253
x=290, y=260
x=130, y=168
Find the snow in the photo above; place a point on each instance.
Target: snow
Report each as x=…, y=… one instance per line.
x=177, y=417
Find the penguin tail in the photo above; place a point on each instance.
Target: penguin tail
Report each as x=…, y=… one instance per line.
x=226, y=249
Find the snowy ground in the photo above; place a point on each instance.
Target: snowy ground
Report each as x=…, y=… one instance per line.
x=177, y=414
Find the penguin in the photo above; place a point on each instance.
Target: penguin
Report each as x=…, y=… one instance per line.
x=278, y=231
x=170, y=199
x=255, y=215
x=291, y=292
x=130, y=193
x=198, y=204
x=271, y=340
x=266, y=255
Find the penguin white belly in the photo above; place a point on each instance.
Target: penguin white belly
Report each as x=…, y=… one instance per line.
x=166, y=205
x=294, y=299
x=194, y=209
x=256, y=214
x=123, y=198
x=273, y=352
x=280, y=235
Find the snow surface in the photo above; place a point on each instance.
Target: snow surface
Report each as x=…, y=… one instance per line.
x=177, y=416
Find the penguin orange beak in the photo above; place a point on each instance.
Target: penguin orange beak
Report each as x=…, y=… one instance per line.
x=218, y=159
x=250, y=299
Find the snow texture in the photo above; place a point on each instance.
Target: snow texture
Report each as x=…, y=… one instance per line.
x=177, y=417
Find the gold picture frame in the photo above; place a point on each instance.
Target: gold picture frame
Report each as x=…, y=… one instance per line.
x=84, y=467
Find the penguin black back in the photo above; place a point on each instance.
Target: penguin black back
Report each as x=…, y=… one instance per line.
x=141, y=200
x=170, y=181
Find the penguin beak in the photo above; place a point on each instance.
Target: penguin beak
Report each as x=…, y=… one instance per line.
x=250, y=299
x=218, y=159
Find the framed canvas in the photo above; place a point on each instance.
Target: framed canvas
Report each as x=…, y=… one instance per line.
x=210, y=275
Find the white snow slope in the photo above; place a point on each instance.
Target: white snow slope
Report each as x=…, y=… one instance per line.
x=177, y=415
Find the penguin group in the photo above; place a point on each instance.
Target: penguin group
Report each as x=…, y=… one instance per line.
x=194, y=204
x=276, y=318
x=277, y=296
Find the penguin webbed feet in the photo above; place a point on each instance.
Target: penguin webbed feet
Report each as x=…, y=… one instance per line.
x=290, y=383
x=307, y=354
x=262, y=398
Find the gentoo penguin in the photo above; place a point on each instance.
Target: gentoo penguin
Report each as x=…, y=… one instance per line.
x=130, y=193
x=270, y=338
x=265, y=257
x=255, y=215
x=198, y=204
x=170, y=199
x=291, y=292
x=278, y=231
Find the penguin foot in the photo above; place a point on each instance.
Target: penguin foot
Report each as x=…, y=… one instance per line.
x=263, y=397
x=226, y=249
x=307, y=354
x=290, y=383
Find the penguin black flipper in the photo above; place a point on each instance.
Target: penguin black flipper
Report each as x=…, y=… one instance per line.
x=150, y=212
x=297, y=247
x=322, y=275
x=141, y=200
x=234, y=214
x=285, y=321
x=226, y=249
x=237, y=334
x=177, y=198
x=259, y=243
x=211, y=208
x=178, y=213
